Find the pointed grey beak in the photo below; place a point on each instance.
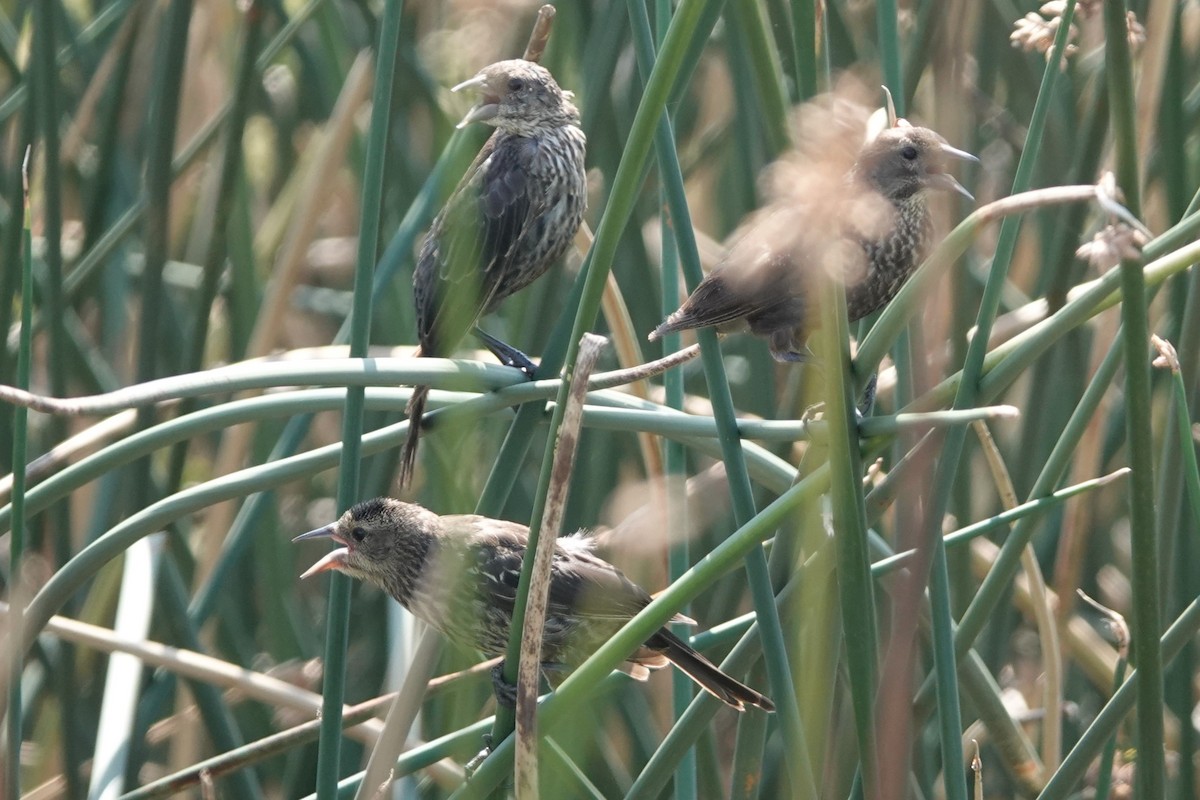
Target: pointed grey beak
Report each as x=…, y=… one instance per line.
x=320, y=533
x=956, y=153
x=485, y=109
x=946, y=182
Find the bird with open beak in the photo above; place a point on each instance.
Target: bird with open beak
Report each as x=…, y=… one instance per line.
x=459, y=573
x=513, y=215
x=869, y=229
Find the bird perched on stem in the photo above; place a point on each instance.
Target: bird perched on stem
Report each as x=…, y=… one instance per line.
x=511, y=217
x=870, y=229
x=459, y=574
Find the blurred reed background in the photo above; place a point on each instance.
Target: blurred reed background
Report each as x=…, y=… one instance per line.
x=201, y=173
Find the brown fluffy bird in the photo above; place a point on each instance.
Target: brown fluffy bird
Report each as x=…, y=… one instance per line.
x=872, y=235
x=459, y=574
x=511, y=217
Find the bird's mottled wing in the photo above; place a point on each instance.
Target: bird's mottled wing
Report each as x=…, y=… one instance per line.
x=464, y=259
x=733, y=292
x=583, y=584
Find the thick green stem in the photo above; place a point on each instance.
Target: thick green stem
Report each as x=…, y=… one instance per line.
x=1151, y=771
x=337, y=624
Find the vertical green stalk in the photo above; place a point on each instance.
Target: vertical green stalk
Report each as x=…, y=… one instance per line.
x=337, y=624
x=1144, y=540
x=17, y=539
x=1187, y=584
x=768, y=76
x=53, y=311
x=164, y=120
x=227, y=182
x=674, y=455
x=52, y=219
x=1104, y=773
x=855, y=584
x=887, y=19
x=804, y=37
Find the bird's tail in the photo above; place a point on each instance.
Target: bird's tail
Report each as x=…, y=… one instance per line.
x=709, y=676
x=408, y=457
x=672, y=324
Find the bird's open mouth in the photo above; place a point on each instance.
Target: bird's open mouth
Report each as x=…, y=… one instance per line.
x=488, y=105
x=485, y=109
x=333, y=560
x=946, y=181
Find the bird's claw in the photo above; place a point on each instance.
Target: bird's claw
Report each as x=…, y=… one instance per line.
x=867, y=401
x=479, y=757
x=506, y=354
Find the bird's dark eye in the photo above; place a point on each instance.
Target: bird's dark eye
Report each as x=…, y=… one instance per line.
x=515, y=84
x=358, y=534
x=909, y=153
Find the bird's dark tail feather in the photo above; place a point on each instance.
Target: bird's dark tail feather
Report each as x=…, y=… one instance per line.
x=670, y=325
x=709, y=676
x=416, y=410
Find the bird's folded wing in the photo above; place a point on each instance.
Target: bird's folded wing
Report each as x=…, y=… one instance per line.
x=462, y=266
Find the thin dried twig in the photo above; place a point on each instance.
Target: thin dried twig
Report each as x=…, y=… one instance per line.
x=540, y=34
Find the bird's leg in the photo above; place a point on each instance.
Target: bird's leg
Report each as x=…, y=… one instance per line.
x=802, y=356
x=506, y=354
x=479, y=757
x=506, y=695
x=867, y=401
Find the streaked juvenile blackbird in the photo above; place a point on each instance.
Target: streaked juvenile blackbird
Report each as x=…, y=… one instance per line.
x=511, y=217
x=871, y=231
x=459, y=574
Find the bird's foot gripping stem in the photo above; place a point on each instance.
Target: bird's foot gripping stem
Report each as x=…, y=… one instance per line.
x=479, y=757
x=506, y=354
x=506, y=695
x=865, y=403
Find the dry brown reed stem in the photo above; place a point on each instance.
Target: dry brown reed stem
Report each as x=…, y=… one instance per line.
x=530, y=667
x=540, y=34
x=401, y=715
x=1043, y=612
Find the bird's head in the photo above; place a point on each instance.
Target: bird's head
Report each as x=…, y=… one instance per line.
x=381, y=539
x=904, y=160
x=518, y=96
